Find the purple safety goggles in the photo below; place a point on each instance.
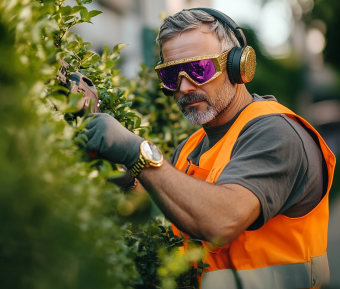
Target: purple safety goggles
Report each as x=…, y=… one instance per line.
x=198, y=70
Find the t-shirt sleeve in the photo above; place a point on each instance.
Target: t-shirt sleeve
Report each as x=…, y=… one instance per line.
x=269, y=160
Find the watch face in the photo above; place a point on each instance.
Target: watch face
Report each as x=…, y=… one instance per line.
x=152, y=152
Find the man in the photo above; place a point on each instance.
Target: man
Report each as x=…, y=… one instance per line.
x=252, y=184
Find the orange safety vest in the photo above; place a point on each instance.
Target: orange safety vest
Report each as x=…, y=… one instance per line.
x=286, y=252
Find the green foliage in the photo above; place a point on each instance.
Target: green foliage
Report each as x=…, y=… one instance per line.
x=327, y=12
x=153, y=248
x=62, y=224
x=168, y=126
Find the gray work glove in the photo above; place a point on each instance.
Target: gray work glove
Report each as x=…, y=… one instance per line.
x=111, y=140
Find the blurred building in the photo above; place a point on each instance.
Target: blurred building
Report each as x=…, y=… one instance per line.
x=173, y=6
x=132, y=22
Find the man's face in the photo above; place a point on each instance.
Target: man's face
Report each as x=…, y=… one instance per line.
x=200, y=104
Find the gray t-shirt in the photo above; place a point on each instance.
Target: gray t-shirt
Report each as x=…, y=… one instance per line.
x=275, y=158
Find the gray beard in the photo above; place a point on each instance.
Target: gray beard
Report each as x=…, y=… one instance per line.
x=214, y=108
x=196, y=117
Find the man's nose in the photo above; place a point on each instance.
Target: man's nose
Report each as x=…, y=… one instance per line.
x=186, y=86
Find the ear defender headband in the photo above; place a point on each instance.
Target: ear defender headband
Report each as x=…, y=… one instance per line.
x=241, y=63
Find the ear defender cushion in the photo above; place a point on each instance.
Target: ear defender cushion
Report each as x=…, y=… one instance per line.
x=230, y=65
x=233, y=65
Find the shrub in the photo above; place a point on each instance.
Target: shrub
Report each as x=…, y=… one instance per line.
x=62, y=224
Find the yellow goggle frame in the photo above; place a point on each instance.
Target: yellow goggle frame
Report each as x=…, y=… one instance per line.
x=219, y=61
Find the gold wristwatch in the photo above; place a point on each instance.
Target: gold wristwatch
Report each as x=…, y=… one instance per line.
x=149, y=156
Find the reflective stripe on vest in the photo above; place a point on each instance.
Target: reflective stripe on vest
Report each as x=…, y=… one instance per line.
x=280, y=248
x=293, y=276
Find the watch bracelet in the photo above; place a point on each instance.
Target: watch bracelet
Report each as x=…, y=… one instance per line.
x=138, y=166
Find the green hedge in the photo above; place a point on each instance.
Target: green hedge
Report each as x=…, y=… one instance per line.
x=62, y=224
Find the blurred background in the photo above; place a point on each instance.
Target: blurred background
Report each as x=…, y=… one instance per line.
x=298, y=60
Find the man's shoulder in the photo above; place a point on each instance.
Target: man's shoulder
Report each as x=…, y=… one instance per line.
x=257, y=97
x=273, y=126
x=276, y=127
x=277, y=159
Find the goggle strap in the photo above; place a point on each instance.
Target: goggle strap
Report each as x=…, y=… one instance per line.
x=224, y=57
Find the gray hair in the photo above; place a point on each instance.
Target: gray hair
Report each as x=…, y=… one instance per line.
x=186, y=20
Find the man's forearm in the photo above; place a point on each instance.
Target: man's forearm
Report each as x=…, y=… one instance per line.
x=202, y=210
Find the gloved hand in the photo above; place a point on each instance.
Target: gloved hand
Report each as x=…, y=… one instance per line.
x=112, y=141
